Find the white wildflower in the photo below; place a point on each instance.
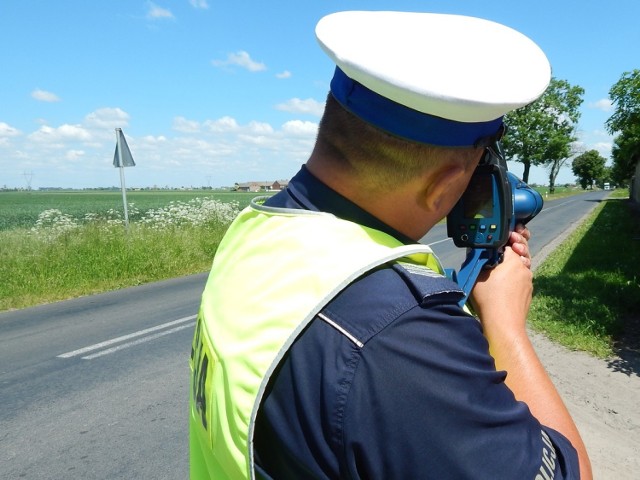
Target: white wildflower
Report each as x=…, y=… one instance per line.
x=52, y=223
x=195, y=212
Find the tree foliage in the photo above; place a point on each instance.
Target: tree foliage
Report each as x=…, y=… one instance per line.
x=542, y=133
x=589, y=167
x=625, y=154
x=625, y=95
x=625, y=121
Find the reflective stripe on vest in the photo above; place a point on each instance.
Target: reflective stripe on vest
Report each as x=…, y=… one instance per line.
x=273, y=272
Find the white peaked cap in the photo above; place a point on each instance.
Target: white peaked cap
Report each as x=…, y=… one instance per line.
x=440, y=79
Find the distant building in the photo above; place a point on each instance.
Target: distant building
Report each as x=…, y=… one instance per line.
x=274, y=186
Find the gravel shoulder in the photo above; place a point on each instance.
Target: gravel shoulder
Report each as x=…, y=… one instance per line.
x=603, y=397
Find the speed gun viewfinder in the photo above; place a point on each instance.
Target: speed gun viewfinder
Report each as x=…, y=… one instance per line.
x=483, y=215
x=493, y=203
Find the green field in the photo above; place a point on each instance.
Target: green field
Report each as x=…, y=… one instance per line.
x=21, y=209
x=586, y=292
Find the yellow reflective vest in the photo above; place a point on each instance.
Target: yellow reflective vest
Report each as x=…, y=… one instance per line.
x=273, y=272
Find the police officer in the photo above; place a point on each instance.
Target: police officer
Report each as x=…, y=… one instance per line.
x=328, y=343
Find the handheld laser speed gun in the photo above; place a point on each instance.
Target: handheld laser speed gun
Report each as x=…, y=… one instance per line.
x=493, y=203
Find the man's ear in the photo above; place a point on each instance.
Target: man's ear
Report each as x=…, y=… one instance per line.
x=441, y=184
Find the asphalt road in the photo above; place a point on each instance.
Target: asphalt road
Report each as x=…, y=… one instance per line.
x=555, y=217
x=97, y=387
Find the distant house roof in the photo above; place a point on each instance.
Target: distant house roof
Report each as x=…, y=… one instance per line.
x=261, y=186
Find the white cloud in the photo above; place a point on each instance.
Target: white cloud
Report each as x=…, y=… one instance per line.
x=74, y=132
x=154, y=12
x=107, y=117
x=181, y=124
x=598, y=140
x=285, y=74
x=53, y=136
x=7, y=130
x=604, y=148
x=44, y=96
x=201, y=4
x=228, y=124
x=260, y=141
x=603, y=104
x=260, y=128
x=154, y=140
x=224, y=124
x=240, y=59
x=74, y=154
x=296, y=105
x=80, y=154
x=298, y=127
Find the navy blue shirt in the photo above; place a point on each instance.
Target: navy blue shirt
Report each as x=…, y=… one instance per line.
x=393, y=380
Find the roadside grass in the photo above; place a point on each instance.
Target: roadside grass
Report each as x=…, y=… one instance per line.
x=584, y=291
x=64, y=257
x=560, y=192
x=590, y=285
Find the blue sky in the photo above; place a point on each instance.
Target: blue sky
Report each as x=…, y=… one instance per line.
x=212, y=93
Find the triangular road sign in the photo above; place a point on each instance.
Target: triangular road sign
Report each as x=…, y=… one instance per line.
x=122, y=157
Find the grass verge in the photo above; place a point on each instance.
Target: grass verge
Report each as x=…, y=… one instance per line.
x=586, y=292
x=62, y=257
x=588, y=289
x=97, y=259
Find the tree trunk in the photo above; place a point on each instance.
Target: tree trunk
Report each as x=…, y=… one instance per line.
x=554, y=170
x=525, y=173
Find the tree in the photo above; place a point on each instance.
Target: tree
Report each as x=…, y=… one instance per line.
x=542, y=133
x=589, y=167
x=625, y=154
x=625, y=96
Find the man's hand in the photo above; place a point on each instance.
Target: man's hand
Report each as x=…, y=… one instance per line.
x=502, y=295
x=518, y=240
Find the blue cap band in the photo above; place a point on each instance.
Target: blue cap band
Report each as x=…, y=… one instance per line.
x=408, y=123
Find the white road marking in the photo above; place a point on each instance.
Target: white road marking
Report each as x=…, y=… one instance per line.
x=448, y=239
x=123, y=338
x=136, y=342
x=563, y=204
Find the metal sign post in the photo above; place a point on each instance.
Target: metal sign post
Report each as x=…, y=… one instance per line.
x=123, y=158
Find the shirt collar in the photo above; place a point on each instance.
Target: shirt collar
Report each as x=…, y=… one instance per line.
x=308, y=192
